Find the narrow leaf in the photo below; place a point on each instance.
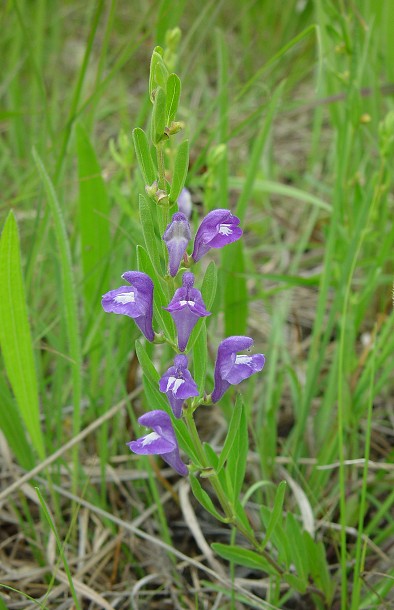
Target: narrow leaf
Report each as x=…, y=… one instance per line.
x=148, y=229
x=159, y=116
x=173, y=95
x=160, y=300
x=15, y=337
x=143, y=155
x=243, y=557
x=200, y=359
x=157, y=57
x=230, y=438
x=204, y=499
x=236, y=462
x=181, y=166
x=276, y=511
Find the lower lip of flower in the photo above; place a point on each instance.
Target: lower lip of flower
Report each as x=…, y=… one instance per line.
x=243, y=359
x=150, y=438
x=125, y=297
x=173, y=384
x=225, y=229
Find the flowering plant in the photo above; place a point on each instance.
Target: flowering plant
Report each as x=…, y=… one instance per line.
x=171, y=306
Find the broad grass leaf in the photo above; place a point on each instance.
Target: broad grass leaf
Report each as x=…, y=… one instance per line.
x=15, y=336
x=13, y=429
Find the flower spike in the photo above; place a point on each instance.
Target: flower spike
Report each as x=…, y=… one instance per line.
x=162, y=441
x=135, y=301
x=186, y=307
x=177, y=235
x=230, y=368
x=178, y=384
x=217, y=229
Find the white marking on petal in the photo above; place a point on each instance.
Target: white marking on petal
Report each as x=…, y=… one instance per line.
x=173, y=384
x=225, y=229
x=243, y=359
x=191, y=303
x=125, y=297
x=150, y=438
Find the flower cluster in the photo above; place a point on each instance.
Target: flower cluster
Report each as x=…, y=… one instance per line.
x=218, y=229
x=186, y=307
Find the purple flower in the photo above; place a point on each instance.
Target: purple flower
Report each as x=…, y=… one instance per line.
x=135, y=301
x=177, y=235
x=231, y=369
x=217, y=229
x=185, y=202
x=162, y=441
x=186, y=307
x=178, y=384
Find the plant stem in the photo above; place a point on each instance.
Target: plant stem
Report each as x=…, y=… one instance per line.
x=221, y=494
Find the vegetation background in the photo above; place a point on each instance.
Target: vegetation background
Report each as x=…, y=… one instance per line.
x=289, y=109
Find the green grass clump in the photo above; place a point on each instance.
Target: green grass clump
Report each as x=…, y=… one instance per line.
x=288, y=111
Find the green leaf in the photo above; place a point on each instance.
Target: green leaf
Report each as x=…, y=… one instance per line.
x=200, y=358
x=300, y=553
x=157, y=57
x=148, y=229
x=181, y=166
x=93, y=221
x=204, y=499
x=15, y=337
x=160, y=300
x=230, y=438
x=68, y=296
x=236, y=461
x=318, y=567
x=208, y=291
x=159, y=116
x=279, y=538
x=173, y=95
x=161, y=75
x=243, y=557
x=276, y=511
x=146, y=363
x=13, y=429
x=209, y=285
x=295, y=582
x=143, y=155
x=235, y=290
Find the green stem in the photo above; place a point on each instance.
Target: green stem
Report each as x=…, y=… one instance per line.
x=220, y=493
x=161, y=167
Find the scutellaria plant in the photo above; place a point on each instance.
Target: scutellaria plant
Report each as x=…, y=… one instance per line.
x=171, y=305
